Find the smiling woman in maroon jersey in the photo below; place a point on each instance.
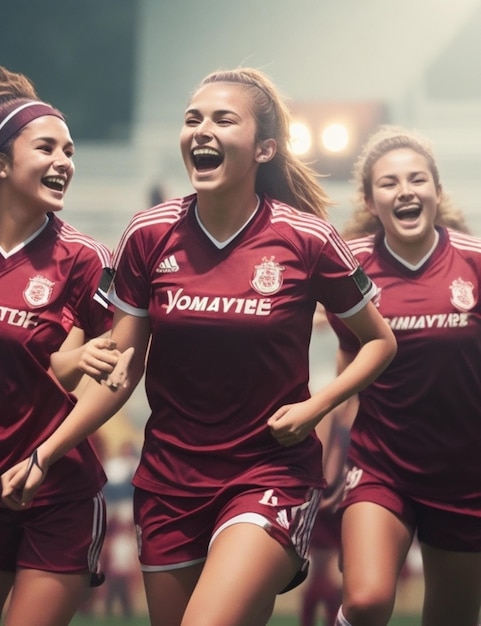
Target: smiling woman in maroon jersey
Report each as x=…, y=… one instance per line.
x=222, y=286
x=416, y=441
x=49, y=287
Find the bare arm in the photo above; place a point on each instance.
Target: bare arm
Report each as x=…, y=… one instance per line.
x=292, y=423
x=333, y=430
x=97, y=404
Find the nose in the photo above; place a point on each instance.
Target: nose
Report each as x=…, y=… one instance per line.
x=406, y=190
x=203, y=131
x=62, y=162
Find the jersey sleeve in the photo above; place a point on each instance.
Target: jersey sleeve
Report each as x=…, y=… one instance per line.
x=131, y=286
x=340, y=283
x=89, y=305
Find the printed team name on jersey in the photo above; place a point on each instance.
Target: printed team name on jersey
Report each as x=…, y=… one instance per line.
x=15, y=317
x=437, y=320
x=242, y=306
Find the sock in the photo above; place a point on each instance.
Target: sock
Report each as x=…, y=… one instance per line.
x=341, y=620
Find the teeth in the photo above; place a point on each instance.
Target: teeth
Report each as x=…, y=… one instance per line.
x=204, y=152
x=56, y=180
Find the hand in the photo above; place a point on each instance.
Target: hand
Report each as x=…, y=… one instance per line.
x=118, y=376
x=292, y=423
x=99, y=358
x=21, y=482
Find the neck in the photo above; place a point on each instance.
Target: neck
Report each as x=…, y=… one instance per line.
x=413, y=252
x=14, y=231
x=223, y=217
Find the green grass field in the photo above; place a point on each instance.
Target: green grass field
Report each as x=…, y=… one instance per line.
x=276, y=620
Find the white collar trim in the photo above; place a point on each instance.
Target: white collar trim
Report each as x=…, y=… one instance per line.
x=419, y=263
x=223, y=244
x=24, y=243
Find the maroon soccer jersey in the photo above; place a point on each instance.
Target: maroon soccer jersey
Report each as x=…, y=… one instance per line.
x=230, y=335
x=47, y=285
x=418, y=426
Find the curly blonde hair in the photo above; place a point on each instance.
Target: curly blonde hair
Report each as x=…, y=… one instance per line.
x=285, y=177
x=388, y=138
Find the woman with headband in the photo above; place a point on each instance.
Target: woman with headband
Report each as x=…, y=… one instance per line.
x=218, y=289
x=50, y=285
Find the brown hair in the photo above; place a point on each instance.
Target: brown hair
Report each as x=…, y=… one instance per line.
x=13, y=86
x=285, y=177
x=388, y=138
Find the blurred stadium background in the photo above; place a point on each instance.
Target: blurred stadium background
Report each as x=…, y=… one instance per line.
x=122, y=72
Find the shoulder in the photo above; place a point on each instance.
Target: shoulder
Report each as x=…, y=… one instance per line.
x=287, y=218
x=80, y=243
x=167, y=213
x=148, y=227
x=468, y=244
x=362, y=246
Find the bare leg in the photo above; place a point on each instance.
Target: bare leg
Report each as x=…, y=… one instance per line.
x=452, y=587
x=44, y=598
x=375, y=544
x=6, y=583
x=168, y=594
x=243, y=573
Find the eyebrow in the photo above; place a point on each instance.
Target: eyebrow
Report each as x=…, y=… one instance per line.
x=51, y=140
x=218, y=112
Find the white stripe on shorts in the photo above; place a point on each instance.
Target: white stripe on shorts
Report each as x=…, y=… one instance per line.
x=97, y=534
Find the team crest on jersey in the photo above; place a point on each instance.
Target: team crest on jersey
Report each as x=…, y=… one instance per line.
x=267, y=276
x=38, y=291
x=462, y=294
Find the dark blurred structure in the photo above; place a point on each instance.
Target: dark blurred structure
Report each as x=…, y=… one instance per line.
x=82, y=56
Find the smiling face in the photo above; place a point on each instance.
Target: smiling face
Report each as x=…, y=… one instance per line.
x=219, y=140
x=405, y=198
x=41, y=167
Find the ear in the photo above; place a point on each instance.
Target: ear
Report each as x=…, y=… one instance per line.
x=266, y=150
x=3, y=167
x=370, y=206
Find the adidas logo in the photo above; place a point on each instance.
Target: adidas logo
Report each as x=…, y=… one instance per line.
x=168, y=265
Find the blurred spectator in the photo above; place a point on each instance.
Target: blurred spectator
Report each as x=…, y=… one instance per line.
x=121, y=561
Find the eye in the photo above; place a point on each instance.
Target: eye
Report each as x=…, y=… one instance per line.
x=225, y=122
x=45, y=147
x=191, y=121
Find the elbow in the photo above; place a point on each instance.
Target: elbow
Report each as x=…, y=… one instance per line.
x=391, y=347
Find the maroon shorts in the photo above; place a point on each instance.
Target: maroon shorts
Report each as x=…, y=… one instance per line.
x=438, y=524
x=326, y=534
x=64, y=538
x=176, y=531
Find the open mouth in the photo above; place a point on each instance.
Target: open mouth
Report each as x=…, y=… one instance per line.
x=54, y=182
x=408, y=213
x=206, y=158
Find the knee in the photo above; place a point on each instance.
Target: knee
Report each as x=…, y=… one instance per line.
x=367, y=607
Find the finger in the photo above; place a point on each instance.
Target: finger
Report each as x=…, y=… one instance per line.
x=13, y=501
x=105, y=343
x=279, y=414
x=118, y=376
